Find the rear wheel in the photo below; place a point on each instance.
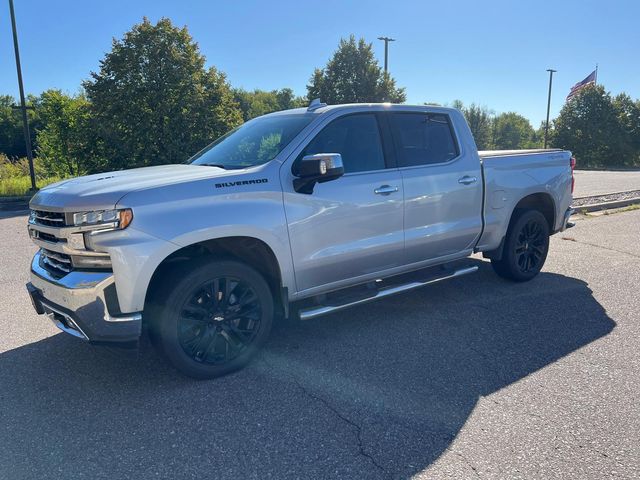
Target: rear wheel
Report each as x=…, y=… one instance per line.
x=215, y=318
x=525, y=247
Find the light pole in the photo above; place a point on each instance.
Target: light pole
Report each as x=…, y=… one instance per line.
x=23, y=105
x=386, y=50
x=546, y=125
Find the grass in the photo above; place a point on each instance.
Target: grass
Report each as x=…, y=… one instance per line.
x=20, y=186
x=628, y=208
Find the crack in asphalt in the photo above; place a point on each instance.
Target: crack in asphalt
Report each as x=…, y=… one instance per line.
x=468, y=463
x=341, y=416
x=571, y=239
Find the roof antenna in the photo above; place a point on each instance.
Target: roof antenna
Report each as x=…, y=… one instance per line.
x=315, y=104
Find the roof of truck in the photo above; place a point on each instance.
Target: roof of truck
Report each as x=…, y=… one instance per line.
x=361, y=106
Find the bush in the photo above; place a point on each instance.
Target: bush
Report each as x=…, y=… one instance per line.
x=19, y=186
x=15, y=179
x=19, y=168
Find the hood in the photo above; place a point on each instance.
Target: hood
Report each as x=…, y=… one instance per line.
x=102, y=191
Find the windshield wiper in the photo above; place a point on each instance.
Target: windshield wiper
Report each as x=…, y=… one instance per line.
x=225, y=167
x=219, y=165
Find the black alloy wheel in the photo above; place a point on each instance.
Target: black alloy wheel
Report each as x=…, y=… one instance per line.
x=525, y=247
x=214, y=318
x=530, y=247
x=219, y=320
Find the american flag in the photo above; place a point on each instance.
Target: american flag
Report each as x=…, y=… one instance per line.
x=590, y=80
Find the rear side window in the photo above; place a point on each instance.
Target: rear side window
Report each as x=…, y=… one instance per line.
x=356, y=138
x=422, y=138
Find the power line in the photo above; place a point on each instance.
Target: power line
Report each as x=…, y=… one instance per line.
x=546, y=124
x=23, y=105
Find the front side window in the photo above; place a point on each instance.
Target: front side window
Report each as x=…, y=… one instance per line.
x=253, y=143
x=356, y=138
x=422, y=138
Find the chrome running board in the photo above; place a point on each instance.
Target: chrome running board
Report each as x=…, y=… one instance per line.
x=313, y=312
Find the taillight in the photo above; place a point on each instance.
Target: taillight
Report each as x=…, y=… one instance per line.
x=572, y=162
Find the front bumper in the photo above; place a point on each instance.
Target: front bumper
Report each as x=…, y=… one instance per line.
x=83, y=304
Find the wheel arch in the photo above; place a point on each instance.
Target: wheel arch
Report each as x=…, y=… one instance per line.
x=252, y=251
x=540, y=201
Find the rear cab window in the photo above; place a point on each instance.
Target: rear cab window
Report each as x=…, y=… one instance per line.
x=422, y=138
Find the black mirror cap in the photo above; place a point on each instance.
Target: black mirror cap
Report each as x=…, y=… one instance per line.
x=318, y=168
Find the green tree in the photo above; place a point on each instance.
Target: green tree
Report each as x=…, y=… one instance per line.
x=260, y=102
x=287, y=99
x=537, y=141
x=153, y=100
x=628, y=113
x=353, y=76
x=11, y=128
x=589, y=125
x=480, y=123
x=66, y=138
x=457, y=104
x=512, y=131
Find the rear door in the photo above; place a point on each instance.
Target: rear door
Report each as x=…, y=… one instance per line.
x=351, y=227
x=442, y=186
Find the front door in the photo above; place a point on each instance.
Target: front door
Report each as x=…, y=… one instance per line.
x=351, y=227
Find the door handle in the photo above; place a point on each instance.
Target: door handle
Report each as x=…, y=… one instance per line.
x=385, y=190
x=467, y=180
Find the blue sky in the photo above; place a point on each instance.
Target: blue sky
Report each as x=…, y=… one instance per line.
x=490, y=52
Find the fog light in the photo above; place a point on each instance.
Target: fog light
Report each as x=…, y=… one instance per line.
x=89, y=261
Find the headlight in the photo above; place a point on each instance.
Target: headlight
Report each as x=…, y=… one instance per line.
x=116, y=219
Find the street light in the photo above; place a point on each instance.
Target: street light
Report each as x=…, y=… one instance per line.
x=546, y=125
x=386, y=50
x=23, y=105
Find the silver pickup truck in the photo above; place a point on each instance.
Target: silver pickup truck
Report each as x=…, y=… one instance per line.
x=292, y=215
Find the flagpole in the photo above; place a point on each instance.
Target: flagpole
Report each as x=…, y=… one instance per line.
x=595, y=80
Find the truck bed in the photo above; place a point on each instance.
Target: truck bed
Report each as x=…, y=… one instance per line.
x=510, y=175
x=506, y=153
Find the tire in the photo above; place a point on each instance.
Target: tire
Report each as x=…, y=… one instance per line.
x=215, y=318
x=525, y=248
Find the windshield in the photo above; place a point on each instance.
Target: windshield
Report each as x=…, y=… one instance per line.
x=253, y=143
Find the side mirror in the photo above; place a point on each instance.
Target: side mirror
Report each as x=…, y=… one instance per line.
x=318, y=168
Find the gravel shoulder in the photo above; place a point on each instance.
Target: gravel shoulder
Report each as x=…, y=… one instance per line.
x=611, y=197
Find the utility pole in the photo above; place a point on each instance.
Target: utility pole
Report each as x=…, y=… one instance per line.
x=23, y=105
x=386, y=51
x=546, y=125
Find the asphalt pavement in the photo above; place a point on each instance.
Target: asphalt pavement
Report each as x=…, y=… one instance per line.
x=591, y=183
x=474, y=378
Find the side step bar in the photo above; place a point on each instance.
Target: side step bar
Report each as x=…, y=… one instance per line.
x=313, y=312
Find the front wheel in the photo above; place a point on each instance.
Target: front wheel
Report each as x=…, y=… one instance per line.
x=525, y=247
x=215, y=318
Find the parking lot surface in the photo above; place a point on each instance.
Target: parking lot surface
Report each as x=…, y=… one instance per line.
x=591, y=183
x=474, y=378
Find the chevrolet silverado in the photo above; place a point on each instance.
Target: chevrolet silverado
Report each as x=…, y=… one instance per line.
x=294, y=214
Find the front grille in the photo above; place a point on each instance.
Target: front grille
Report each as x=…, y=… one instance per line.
x=48, y=219
x=57, y=264
x=46, y=237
